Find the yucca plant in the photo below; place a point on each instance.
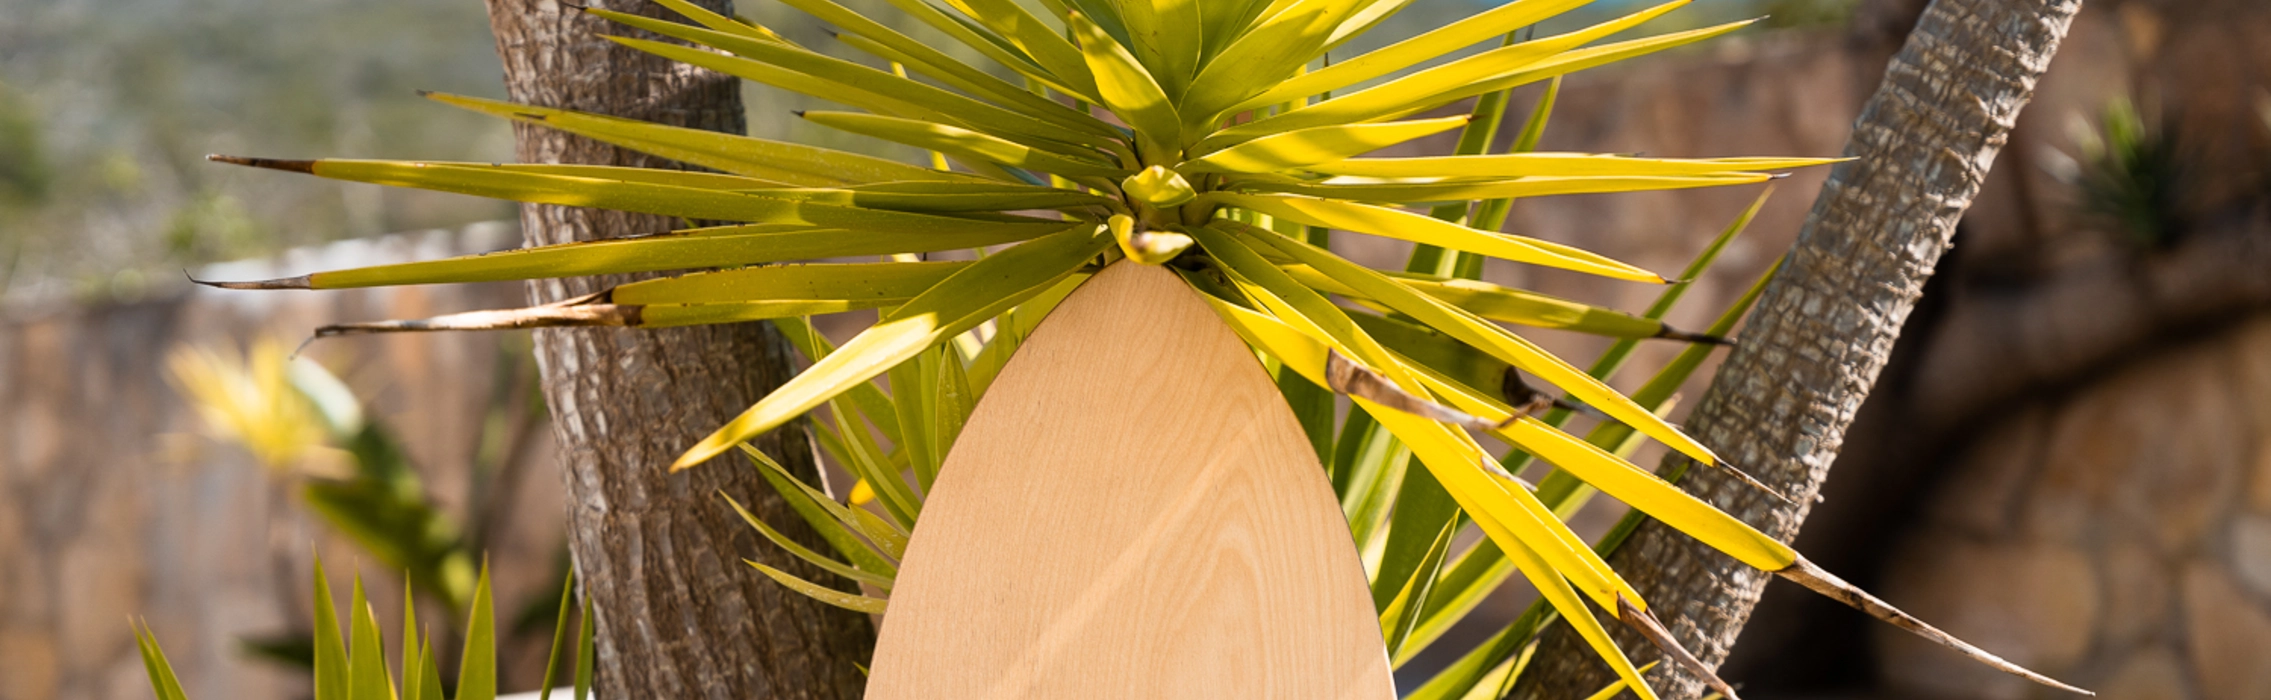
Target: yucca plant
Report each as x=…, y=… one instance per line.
x=2131, y=175
x=1208, y=137
x=353, y=666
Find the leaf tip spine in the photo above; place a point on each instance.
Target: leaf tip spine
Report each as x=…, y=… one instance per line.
x=1805, y=573
x=300, y=282
x=297, y=166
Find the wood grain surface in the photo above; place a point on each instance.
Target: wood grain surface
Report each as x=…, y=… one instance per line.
x=1132, y=512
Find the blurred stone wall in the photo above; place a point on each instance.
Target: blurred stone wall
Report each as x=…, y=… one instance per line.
x=114, y=506
x=2064, y=460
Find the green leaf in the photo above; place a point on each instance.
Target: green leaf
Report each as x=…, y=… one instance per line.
x=1430, y=190
x=366, y=661
x=1506, y=304
x=1159, y=187
x=792, y=163
x=713, y=247
x=530, y=184
x=1564, y=165
x=1495, y=340
x=1046, y=45
x=1453, y=457
x=848, y=601
x=1628, y=483
x=1409, y=52
x=410, y=636
x=1305, y=148
x=163, y=683
x=922, y=58
x=1273, y=50
x=1426, y=347
x=869, y=400
x=867, y=461
x=978, y=292
x=832, y=520
x=1403, y=225
x=963, y=143
x=1668, y=379
x=986, y=42
x=1224, y=21
x=1424, y=511
x=587, y=652
x=951, y=403
x=477, y=673
x=1017, y=325
x=839, y=76
x=1556, y=591
x=908, y=407
x=1489, y=71
x=887, y=536
x=333, y=678
x=786, y=79
x=559, y=635
x=892, y=282
x=801, y=552
x=1160, y=32
x=1403, y=611
x=429, y=671
x=1130, y=92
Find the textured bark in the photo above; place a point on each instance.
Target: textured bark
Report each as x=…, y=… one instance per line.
x=1780, y=405
x=679, y=615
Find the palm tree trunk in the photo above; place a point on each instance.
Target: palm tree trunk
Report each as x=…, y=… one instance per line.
x=659, y=554
x=1780, y=405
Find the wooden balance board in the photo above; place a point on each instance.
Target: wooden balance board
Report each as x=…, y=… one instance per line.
x=1131, y=512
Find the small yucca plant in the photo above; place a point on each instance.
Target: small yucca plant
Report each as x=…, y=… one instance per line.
x=1222, y=151
x=353, y=666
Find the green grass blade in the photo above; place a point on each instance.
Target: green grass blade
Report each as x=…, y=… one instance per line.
x=477, y=673
x=429, y=671
x=560, y=634
x=366, y=655
x=163, y=683
x=848, y=601
x=801, y=552
x=832, y=520
x=587, y=656
x=332, y=675
x=867, y=461
x=410, y=636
